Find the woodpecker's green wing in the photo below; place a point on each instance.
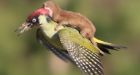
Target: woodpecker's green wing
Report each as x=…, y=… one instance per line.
x=53, y=44
x=82, y=51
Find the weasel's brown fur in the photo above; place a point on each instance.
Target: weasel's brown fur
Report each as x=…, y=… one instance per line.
x=76, y=20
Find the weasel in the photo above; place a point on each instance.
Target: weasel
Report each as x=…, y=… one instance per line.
x=73, y=19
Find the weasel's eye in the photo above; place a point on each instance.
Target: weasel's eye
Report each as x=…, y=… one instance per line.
x=48, y=18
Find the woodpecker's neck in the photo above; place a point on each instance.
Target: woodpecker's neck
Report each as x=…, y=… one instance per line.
x=47, y=27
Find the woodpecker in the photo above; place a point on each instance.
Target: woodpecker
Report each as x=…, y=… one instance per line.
x=67, y=43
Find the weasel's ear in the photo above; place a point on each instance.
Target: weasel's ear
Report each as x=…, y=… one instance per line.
x=45, y=4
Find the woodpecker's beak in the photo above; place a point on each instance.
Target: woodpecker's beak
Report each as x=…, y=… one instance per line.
x=24, y=27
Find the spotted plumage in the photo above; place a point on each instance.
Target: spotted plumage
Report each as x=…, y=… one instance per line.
x=85, y=59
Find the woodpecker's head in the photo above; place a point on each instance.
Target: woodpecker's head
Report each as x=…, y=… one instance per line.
x=35, y=19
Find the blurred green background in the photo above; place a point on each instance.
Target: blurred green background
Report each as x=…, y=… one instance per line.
x=117, y=21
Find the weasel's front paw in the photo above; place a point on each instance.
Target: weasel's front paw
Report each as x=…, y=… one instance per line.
x=84, y=34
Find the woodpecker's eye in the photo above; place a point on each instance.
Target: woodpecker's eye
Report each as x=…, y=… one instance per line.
x=34, y=20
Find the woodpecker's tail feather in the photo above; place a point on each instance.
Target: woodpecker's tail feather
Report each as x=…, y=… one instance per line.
x=105, y=46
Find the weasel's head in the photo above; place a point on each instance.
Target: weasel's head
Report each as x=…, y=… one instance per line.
x=53, y=8
x=35, y=19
